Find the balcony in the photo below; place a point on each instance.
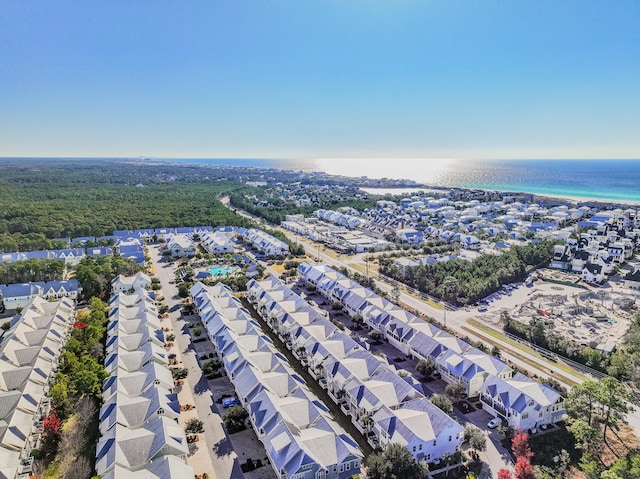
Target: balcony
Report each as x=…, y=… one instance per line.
x=26, y=465
x=496, y=406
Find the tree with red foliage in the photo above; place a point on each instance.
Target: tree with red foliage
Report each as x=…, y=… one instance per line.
x=505, y=474
x=520, y=445
x=524, y=469
x=51, y=431
x=51, y=426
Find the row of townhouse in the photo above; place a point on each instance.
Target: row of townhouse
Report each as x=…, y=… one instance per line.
x=29, y=355
x=264, y=243
x=349, y=221
x=70, y=256
x=479, y=373
x=597, y=252
x=301, y=439
x=138, y=420
x=383, y=406
x=15, y=296
x=155, y=234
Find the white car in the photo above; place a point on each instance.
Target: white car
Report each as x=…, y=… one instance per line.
x=495, y=422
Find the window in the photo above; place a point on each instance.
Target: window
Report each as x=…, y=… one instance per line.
x=420, y=447
x=449, y=438
x=434, y=442
x=414, y=448
x=525, y=415
x=348, y=466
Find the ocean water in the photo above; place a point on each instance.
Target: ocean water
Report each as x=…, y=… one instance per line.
x=604, y=180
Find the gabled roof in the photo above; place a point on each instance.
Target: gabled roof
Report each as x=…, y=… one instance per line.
x=165, y=467
x=133, y=412
x=415, y=420
x=134, y=448
x=520, y=392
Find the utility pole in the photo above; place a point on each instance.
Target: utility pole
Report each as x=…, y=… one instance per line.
x=449, y=284
x=445, y=314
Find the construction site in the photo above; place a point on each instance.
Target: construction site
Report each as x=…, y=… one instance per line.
x=598, y=318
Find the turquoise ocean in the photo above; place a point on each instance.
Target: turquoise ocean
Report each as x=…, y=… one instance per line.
x=602, y=180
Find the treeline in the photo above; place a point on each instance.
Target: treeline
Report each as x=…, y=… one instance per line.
x=624, y=363
x=94, y=199
x=464, y=282
x=539, y=332
x=279, y=207
x=95, y=273
x=31, y=270
x=28, y=242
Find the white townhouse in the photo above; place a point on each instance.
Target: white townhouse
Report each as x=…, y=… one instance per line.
x=428, y=433
x=19, y=295
x=471, y=369
x=181, y=246
x=217, y=243
x=265, y=243
x=522, y=402
x=130, y=284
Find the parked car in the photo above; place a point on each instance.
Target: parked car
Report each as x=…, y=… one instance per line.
x=228, y=402
x=495, y=422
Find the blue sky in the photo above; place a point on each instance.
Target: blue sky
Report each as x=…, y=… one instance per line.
x=320, y=79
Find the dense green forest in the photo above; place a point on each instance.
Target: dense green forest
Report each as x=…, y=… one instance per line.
x=463, y=282
x=94, y=198
x=11, y=243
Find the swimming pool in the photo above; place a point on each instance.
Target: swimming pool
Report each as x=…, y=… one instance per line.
x=220, y=271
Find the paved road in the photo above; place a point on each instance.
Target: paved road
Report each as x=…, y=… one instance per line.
x=222, y=456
